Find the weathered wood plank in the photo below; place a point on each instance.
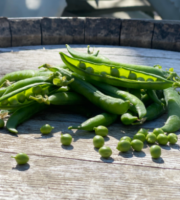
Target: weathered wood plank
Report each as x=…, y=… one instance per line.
x=136, y=33
x=25, y=32
x=5, y=34
x=102, y=31
x=63, y=30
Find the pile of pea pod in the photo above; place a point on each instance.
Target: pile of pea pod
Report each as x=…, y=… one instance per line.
x=130, y=93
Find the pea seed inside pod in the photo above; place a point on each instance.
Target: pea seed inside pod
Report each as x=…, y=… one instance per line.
x=115, y=72
x=103, y=73
x=21, y=97
x=82, y=65
x=37, y=90
x=13, y=101
x=90, y=70
x=132, y=76
x=123, y=77
x=140, y=79
x=150, y=80
x=4, y=102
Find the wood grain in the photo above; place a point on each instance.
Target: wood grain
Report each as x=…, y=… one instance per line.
x=78, y=172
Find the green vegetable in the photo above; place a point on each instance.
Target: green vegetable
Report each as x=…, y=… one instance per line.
x=143, y=131
x=66, y=139
x=21, y=158
x=155, y=151
x=158, y=131
x=151, y=138
x=126, y=138
x=139, y=136
x=46, y=129
x=98, y=141
x=105, y=152
x=128, y=118
x=101, y=130
x=162, y=139
x=172, y=138
x=137, y=145
x=104, y=119
x=123, y=145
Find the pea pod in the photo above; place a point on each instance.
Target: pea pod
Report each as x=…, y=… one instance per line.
x=128, y=118
x=23, y=114
x=24, y=74
x=158, y=83
x=104, y=119
x=173, y=103
x=137, y=105
x=107, y=103
x=147, y=69
x=152, y=94
x=60, y=98
x=2, y=90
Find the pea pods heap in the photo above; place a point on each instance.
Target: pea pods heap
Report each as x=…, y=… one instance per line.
x=132, y=94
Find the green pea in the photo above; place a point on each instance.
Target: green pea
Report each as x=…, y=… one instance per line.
x=143, y=131
x=137, y=145
x=1, y=123
x=139, y=136
x=172, y=138
x=46, y=129
x=4, y=102
x=101, y=130
x=13, y=101
x=98, y=141
x=151, y=138
x=155, y=151
x=105, y=152
x=158, y=131
x=126, y=138
x=82, y=66
x=115, y=72
x=21, y=158
x=37, y=90
x=66, y=139
x=90, y=70
x=150, y=79
x=123, y=145
x=103, y=73
x=132, y=76
x=162, y=139
x=21, y=97
x=140, y=79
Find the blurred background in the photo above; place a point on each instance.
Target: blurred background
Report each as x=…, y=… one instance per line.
x=127, y=9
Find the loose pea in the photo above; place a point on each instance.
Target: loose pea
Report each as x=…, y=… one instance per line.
x=155, y=151
x=46, y=129
x=143, y=131
x=98, y=141
x=162, y=139
x=137, y=145
x=115, y=72
x=151, y=138
x=140, y=79
x=172, y=138
x=66, y=139
x=105, y=152
x=21, y=158
x=158, y=131
x=82, y=65
x=123, y=145
x=126, y=138
x=101, y=130
x=36, y=90
x=139, y=136
x=1, y=123
x=132, y=76
x=90, y=70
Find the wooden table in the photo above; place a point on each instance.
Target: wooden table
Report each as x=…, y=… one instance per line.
x=78, y=172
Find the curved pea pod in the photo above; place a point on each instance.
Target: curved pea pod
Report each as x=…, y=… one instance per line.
x=152, y=94
x=128, y=118
x=23, y=114
x=104, y=119
x=147, y=69
x=173, y=103
x=107, y=103
x=2, y=91
x=60, y=98
x=137, y=105
x=157, y=83
x=24, y=74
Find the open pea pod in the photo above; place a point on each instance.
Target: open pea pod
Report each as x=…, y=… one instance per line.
x=117, y=76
